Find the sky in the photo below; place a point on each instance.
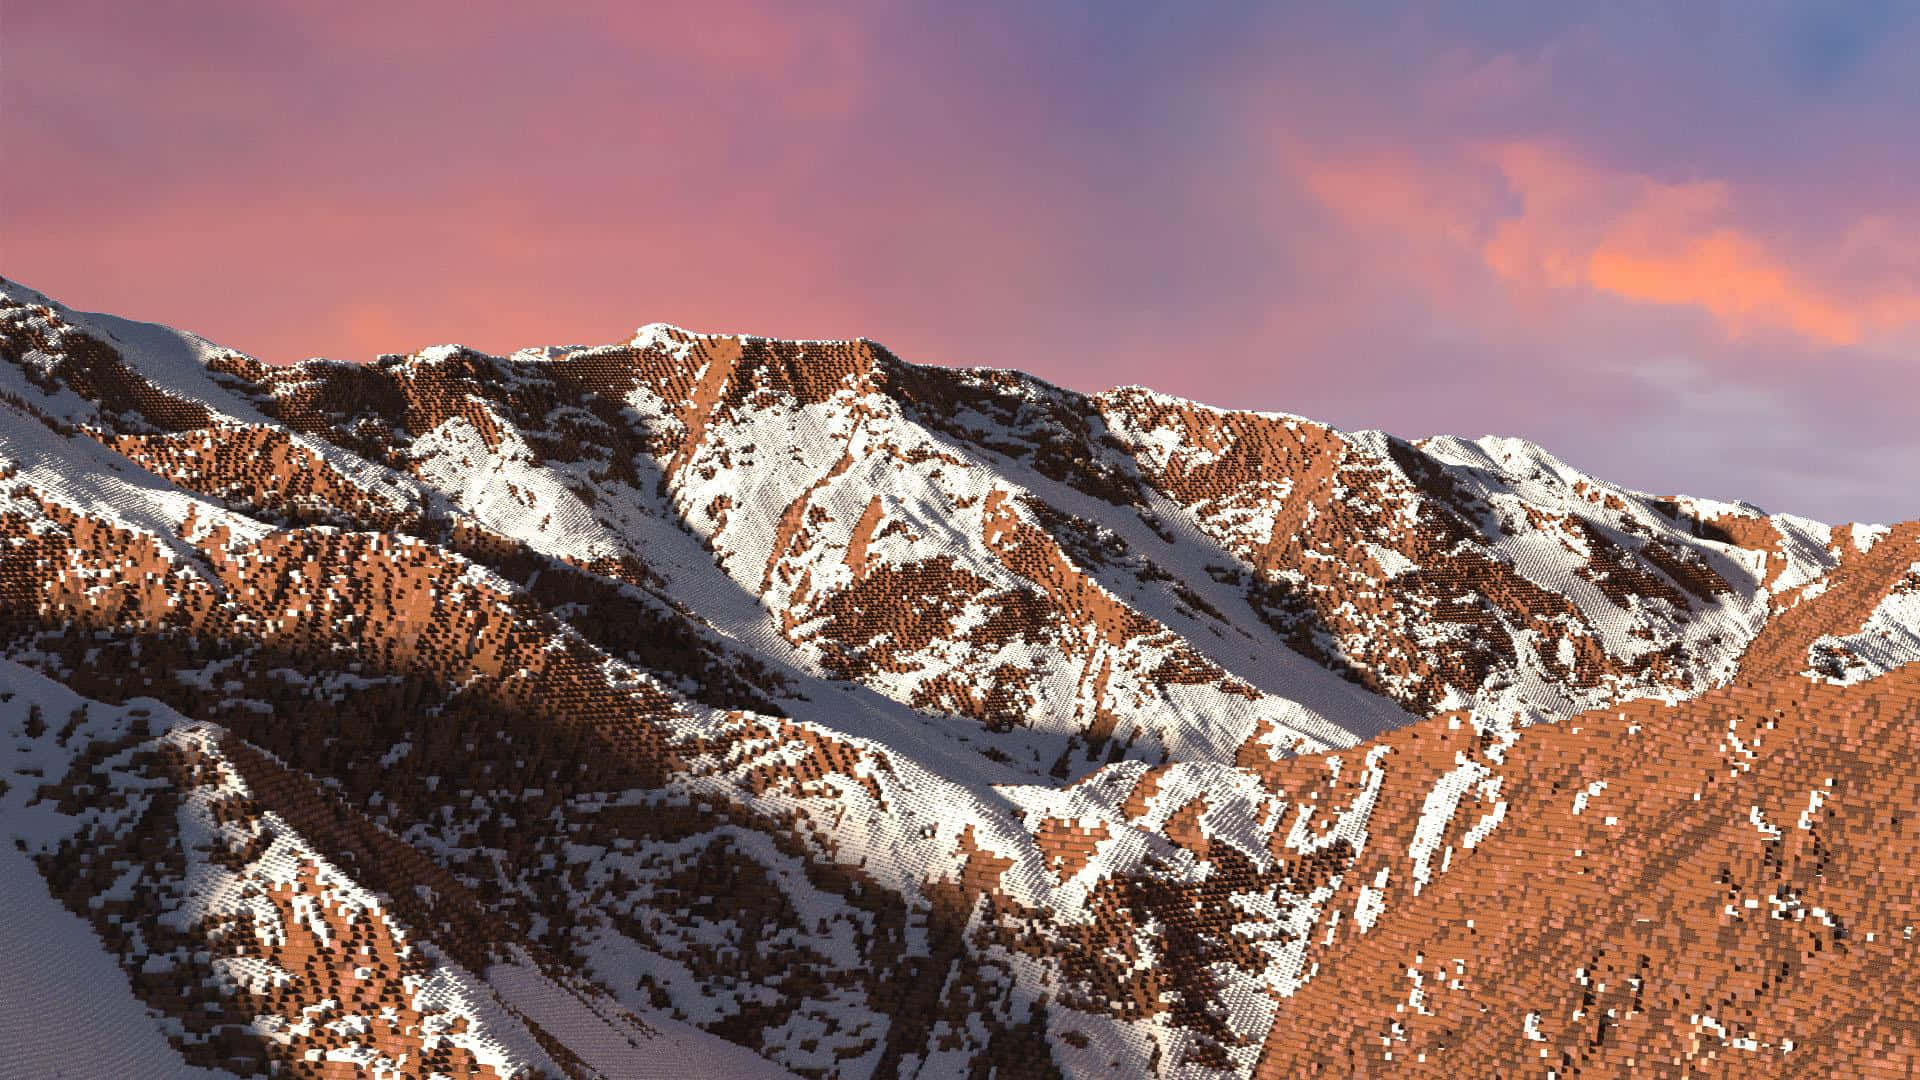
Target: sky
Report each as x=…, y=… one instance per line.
x=1673, y=243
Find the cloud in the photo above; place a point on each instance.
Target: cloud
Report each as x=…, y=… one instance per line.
x=1540, y=215
x=1682, y=244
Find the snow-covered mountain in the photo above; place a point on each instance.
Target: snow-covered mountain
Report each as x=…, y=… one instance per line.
x=714, y=705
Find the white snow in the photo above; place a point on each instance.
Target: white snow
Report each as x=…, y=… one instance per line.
x=1371, y=903
x=66, y=1008
x=1435, y=814
x=1890, y=638
x=455, y=459
x=1866, y=536
x=1807, y=546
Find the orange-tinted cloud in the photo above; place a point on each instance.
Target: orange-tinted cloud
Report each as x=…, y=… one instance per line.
x=1682, y=244
x=1400, y=214
x=1538, y=215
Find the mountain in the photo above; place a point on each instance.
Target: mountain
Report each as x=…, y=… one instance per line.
x=715, y=705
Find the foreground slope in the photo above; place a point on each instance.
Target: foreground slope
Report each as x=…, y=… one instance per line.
x=600, y=709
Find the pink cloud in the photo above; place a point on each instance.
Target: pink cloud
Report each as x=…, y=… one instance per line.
x=1542, y=216
x=1683, y=244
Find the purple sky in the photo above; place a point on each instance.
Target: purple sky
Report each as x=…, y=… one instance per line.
x=1677, y=244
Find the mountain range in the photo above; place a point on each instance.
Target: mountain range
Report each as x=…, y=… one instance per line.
x=714, y=705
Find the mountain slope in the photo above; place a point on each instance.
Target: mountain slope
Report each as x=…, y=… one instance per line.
x=701, y=692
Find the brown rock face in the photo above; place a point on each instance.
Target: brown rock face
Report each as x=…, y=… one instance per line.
x=704, y=705
x=1720, y=886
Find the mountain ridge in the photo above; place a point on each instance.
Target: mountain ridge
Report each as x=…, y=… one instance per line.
x=881, y=719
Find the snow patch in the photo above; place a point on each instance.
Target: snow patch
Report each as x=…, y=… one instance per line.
x=1890, y=638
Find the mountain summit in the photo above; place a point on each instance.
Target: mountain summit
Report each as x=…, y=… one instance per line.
x=703, y=705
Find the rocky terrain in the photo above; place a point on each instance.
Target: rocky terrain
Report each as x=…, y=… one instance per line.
x=705, y=705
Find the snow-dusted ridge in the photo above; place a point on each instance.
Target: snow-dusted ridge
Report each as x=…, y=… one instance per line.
x=1889, y=639
x=877, y=719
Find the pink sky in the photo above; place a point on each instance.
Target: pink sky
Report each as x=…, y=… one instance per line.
x=1676, y=250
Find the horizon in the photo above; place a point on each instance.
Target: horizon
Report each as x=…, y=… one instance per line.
x=1666, y=246
x=1404, y=436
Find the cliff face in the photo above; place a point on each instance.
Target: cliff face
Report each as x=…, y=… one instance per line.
x=700, y=703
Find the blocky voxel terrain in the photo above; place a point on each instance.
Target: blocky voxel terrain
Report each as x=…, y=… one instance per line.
x=704, y=705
